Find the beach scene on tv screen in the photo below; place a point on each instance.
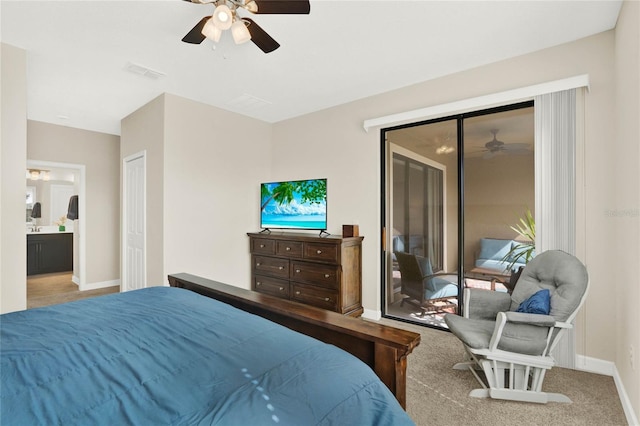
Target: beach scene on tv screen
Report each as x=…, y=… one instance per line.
x=294, y=204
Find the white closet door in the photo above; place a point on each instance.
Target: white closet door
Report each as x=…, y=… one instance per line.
x=134, y=274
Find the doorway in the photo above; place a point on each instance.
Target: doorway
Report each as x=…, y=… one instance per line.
x=63, y=178
x=485, y=161
x=76, y=173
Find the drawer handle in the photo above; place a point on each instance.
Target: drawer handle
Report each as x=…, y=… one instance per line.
x=281, y=267
x=261, y=245
x=326, y=299
x=297, y=292
x=258, y=283
x=319, y=251
x=281, y=288
x=297, y=271
x=258, y=264
x=288, y=249
x=327, y=275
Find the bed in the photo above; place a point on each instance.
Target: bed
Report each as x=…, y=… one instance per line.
x=167, y=355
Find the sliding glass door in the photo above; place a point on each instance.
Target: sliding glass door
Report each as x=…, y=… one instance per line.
x=422, y=204
x=453, y=189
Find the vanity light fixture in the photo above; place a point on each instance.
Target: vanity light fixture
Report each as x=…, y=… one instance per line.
x=36, y=174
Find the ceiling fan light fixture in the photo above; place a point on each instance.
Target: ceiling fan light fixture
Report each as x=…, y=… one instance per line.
x=251, y=6
x=240, y=32
x=222, y=17
x=211, y=31
x=445, y=149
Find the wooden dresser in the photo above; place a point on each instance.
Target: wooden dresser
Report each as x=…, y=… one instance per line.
x=325, y=272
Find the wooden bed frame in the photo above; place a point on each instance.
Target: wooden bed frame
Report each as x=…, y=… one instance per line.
x=383, y=348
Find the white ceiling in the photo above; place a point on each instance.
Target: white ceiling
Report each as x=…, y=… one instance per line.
x=78, y=51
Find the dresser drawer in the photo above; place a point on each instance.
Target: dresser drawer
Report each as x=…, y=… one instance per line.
x=322, y=252
x=310, y=295
x=263, y=246
x=271, y=266
x=272, y=286
x=316, y=274
x=289, y=248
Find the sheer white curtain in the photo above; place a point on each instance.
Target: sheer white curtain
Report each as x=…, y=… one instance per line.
x=555, y=170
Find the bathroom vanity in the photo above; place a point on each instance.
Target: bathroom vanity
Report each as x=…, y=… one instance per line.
x=49, y=252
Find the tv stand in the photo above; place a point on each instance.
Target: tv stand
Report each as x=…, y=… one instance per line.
x=266, y=231
x=325, y=272
x=323, y=233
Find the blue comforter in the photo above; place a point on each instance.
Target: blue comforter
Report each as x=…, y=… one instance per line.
x=169, y=356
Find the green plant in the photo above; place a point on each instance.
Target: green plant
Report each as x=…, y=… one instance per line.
x=524, y=250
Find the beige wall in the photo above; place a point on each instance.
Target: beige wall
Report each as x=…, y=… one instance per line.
x=143, y=130
x=625, y=147
x=201, y=200
x=99, y=153
x=214, y=163
x=13, y=162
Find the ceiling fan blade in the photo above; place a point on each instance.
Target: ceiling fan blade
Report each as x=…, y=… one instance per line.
x=279, y=6
x=260, y=38
x=195, y=36
x=516, y=146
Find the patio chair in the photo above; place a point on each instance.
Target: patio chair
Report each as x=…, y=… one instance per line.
x=510, y=336
x=422, y=287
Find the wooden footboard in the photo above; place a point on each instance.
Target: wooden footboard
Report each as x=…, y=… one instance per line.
x=383, y=348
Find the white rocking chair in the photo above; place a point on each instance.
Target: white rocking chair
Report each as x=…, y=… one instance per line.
x=513, y=348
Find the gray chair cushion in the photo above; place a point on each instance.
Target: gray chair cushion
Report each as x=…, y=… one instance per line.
x=520, y=338
x=485, y=304
x=565, y=277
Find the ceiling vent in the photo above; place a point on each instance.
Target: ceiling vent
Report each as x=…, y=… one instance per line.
x=144, y=71
x=247, y=103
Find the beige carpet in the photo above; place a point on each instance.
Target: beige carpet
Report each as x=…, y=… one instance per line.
x=438, y=395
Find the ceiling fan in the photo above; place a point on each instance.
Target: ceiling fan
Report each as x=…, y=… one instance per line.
x=495, y=147
x=225, y=16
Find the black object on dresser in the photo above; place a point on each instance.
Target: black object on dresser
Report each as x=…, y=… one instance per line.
x=47, y=253
x=325, y=272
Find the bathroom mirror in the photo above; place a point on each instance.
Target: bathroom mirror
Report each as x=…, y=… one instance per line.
x=53, y=194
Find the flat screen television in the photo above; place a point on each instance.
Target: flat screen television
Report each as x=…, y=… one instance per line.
x=299, y=204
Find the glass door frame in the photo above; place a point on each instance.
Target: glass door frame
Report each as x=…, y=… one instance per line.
x=385, y=154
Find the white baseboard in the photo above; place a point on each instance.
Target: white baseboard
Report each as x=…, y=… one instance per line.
x=75, y=280
x=608, y=368
x=371, y=314
x=102, y=284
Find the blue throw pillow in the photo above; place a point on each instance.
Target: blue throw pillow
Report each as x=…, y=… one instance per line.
x=539, y=303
